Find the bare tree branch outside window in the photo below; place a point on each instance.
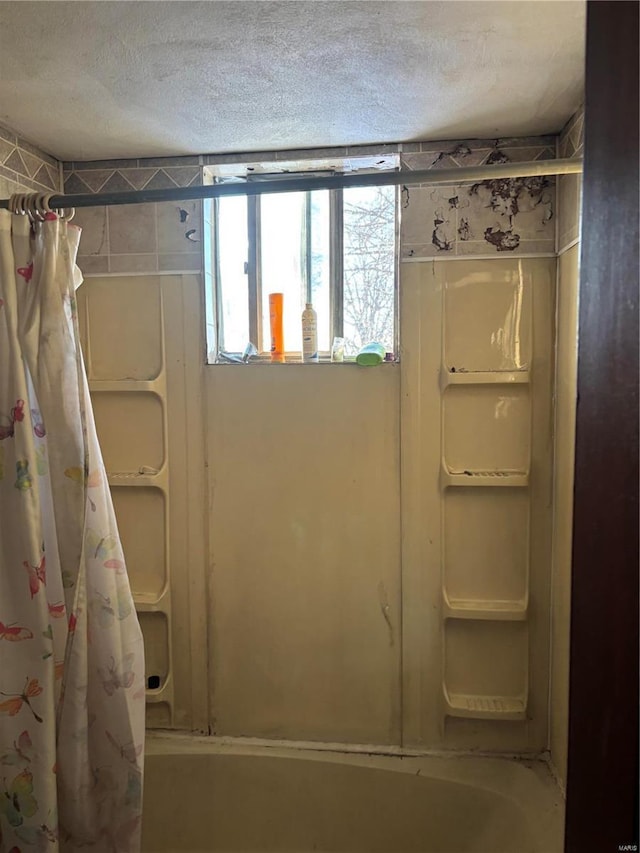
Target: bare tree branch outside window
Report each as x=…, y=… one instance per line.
x=369, y=252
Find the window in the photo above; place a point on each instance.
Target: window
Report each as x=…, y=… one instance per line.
x=334, y=248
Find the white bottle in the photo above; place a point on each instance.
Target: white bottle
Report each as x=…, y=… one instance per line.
x=309, y=333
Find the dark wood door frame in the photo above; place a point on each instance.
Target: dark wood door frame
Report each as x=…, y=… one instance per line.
x=602, y=777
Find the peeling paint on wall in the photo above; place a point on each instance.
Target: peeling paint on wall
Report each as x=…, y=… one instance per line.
x=442, y=234
x=507, y=215
x=507, y=197
x=464, y=230
x=511, y=215
x=503, y=240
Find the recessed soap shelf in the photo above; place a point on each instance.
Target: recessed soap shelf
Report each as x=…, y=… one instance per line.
x=491, y=610
x=162, y=693
x=137, y=386
x=483, y=478
x=149, y=603
x=481, y=707
x=145, y=477
x=483, y=377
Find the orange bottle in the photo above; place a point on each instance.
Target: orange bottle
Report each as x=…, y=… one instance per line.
x=276, y=307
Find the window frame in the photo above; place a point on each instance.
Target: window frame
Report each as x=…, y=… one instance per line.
x=216, y=354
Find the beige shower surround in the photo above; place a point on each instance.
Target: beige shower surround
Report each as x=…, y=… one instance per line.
x=329, y=605
x=390, y=631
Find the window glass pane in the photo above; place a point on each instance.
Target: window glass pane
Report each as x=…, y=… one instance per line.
x=282, y=221
x=320, y=265
x=369, y=264
x=234, y=286
x=209, y=269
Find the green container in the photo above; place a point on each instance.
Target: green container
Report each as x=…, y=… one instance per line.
x=371, y=354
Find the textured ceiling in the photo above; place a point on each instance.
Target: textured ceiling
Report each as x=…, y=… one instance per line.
x=89, y=80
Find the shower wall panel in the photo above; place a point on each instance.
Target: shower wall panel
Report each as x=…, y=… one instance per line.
x=306, y=629
x=143, y=347
x=476, y=501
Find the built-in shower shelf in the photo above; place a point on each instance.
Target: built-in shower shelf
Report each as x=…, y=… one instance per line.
x=162, y=693
x=480, y=707
x=496, y=611
x=469, y=478
x=120, y=385
x=148, y=603
x=484, y=377
x=149, y=477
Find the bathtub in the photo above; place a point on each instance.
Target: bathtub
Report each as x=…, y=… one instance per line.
x=205, y=795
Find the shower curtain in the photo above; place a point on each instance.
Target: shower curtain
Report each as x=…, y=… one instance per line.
x=71, y=653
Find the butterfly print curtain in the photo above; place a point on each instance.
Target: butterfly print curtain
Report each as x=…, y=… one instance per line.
x=71, y=653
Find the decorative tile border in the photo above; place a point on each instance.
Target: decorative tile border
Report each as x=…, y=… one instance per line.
x=81, y=180
x=571, y=138
x=512, y=216
x=24, y=167
x=570, y=144
x=138, y=238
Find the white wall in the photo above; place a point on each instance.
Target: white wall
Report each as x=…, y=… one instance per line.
x=305, y=551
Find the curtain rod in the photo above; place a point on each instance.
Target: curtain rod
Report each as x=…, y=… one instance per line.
x=458, y=175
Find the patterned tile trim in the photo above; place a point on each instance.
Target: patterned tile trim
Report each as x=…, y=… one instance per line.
x=140, y=162
x=570, y=144
x=25, y=165
x=383, y=148
x=127, y=179
x=501, y=216
x=571, y=139
x=155, y=173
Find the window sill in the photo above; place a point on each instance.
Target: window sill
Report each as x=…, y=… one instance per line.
x=297, y=362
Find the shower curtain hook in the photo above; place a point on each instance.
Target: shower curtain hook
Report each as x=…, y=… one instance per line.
x=17, y=204
x=43, y=204
x=38, y=207
x=65, y=213
x=33, y=207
